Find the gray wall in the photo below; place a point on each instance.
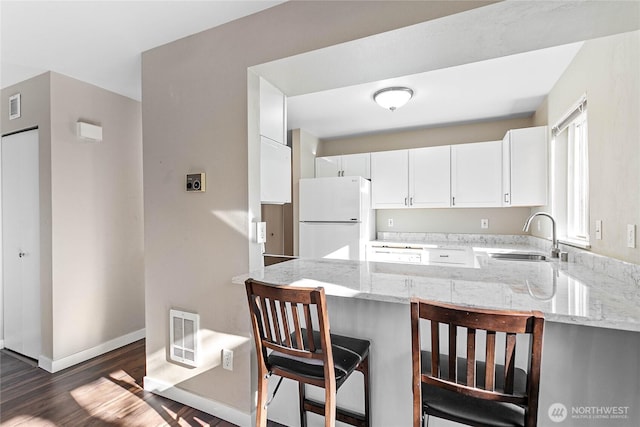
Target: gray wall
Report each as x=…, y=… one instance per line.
x=92, y=285
x=607, y=70
x=97, y=233
x=195, y=118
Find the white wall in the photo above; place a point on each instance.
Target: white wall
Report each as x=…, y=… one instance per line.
x=607, y=70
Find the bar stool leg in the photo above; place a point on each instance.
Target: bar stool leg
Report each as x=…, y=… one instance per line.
x=303, y=414
x=263, y=392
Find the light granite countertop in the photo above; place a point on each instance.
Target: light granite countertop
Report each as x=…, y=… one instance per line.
x=566, y=292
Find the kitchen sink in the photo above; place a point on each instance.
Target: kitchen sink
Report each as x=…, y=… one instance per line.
x=518, y=256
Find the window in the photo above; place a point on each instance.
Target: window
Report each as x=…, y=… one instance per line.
x=578, y=181
x=570, y=177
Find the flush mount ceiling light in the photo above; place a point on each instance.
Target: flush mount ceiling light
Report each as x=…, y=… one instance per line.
x=392, y=98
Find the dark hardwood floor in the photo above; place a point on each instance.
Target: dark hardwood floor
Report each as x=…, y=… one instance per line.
x=104, y=391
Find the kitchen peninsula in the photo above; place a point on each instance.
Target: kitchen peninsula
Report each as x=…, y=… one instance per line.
x=592, y=331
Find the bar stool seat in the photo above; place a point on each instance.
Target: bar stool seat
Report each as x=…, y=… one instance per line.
x=348, y=353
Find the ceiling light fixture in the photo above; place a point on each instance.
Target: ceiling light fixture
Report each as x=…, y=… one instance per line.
x=392, y=98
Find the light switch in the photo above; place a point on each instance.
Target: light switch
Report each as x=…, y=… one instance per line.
x=598, y=229
x=631, y=235
x=261, y=232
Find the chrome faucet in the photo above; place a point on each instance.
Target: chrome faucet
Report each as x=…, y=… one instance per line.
x=555, y=252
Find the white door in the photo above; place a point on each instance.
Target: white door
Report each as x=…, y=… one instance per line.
x=430, y=177
x=21, y=243
x=390, y=179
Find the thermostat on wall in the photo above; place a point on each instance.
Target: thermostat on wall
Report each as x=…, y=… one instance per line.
x=195, y=182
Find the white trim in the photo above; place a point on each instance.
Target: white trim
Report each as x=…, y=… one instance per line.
x=1, y=344
x=212, y=407
x=82, y=356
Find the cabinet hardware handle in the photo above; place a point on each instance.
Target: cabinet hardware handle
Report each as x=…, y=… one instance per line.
x=21, y=254
x=410, y=201
x=506, y=197
x=405, y=202
x=453, y=201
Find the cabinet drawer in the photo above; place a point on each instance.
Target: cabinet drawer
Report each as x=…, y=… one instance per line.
x=447, y=256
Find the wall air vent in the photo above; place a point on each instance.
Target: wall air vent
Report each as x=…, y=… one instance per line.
x=14, y=106
x=183, y=331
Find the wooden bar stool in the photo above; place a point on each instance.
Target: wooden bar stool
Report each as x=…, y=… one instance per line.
x=470, y=391
x=291, y=332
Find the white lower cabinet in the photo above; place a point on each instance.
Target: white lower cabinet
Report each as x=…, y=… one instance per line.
x=476, y=174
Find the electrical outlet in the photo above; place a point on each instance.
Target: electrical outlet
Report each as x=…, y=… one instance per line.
x=390, y=222
x=484, y=223
x=631, y=235
x=598, y=229
x=227, y=359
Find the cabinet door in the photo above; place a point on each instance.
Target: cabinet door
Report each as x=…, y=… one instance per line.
x=328, y=166
x=275, y=172
x=430, y=177
x=389, y=179
x=476, y=174
x=528, y=166
x=272, y=112
x=357, y=165
x=506, y=170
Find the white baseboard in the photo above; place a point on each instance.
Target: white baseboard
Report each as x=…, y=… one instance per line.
x=212, y=407
x=82, y=356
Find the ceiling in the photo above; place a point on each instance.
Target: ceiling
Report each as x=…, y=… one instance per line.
x=491, y=62
x=506, y=87
x=100, y=42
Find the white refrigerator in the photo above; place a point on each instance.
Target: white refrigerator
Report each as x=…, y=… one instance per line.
x=336, y=219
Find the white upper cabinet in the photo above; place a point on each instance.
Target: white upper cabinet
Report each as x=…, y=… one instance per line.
x=345, y=165
x=273, y=112
x=416, y=178
x=275, y=172
x=476, y=174
x=389, y=179
x=524, y=178
x=430, y=177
